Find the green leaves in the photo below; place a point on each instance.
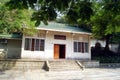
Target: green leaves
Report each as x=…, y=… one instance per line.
x=102, y=15
x=44, y=14
x=20, y=4
x=107, y=18
x=85, y=10
x=14, y=20
x=112, y=6
x=80, y=12
x=77, y=11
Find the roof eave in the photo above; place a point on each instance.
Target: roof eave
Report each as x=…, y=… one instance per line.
x=64, y=31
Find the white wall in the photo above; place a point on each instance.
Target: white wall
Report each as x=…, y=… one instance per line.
x=114, y=47
x=82, y=38
x=94, y=41
x=32, y=54
x=49, y=47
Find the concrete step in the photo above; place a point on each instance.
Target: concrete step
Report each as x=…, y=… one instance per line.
x=65, y=65
x=20, y=65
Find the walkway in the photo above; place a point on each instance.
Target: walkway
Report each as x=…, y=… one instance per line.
x=87, y=74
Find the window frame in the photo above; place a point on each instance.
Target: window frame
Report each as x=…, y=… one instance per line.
x=81, y=45
x=32, y=42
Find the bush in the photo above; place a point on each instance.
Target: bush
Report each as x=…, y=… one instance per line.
x=107, y=59
x=104, y=56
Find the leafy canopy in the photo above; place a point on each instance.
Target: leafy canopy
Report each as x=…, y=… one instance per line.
x=102, y=15
x=14, y=20
x=77, y=11
x=107, y=18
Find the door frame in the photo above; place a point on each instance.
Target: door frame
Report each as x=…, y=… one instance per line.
x=57, y=54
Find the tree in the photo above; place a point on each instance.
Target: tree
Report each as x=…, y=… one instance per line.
x=103, y=13
x=116, y=40
x=80, y=9
x=14, y=20
x=107, y=20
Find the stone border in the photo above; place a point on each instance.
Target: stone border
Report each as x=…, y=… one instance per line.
x=110, y=65
x=90, y=63
x=80, y=65
x=47, y=65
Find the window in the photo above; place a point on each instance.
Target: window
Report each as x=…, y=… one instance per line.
x=42, y=45
x=75, y=47
x=86, y=47
x=81, y=47
x=34, y=44
x=60, y=37
x=37, y=45
x=27, y=44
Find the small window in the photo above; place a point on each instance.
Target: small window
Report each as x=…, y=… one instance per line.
x=60, y=37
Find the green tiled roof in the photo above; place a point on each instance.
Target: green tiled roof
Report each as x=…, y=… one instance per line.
x=62, y=28
x=11, y=36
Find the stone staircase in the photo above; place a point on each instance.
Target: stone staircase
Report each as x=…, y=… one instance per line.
x=21, y=64
x=33, y=64
x=64, y=65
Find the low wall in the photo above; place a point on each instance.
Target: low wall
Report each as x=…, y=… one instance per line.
x=110, y=65
x=90, y=64
x=21, y=64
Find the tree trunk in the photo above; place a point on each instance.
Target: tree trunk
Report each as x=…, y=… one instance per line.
x=119, y=48
x=107, y=43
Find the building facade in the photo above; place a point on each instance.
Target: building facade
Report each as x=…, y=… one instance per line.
x=10, y=45
x=57, y=41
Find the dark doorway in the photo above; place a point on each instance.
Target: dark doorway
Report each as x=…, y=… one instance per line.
x=59, y=51
x=62, y=51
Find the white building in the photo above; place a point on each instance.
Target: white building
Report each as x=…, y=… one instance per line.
x=57, y=41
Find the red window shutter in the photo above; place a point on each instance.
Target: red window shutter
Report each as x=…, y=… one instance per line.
x=79, y=47
x=33, y=43
x=82, y=47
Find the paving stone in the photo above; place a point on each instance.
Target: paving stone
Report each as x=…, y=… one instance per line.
x=87, y=74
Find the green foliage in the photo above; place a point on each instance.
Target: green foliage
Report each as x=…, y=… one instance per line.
x=3, y=1
x=79, y=12
x=20, y=4
x=14, y=20
x=102, y=15
x=107, y=19
x=116, y=38
x=112, y=6
x=108, y=59
x=44, y=14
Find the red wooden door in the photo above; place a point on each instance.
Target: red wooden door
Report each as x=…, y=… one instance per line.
x=56, y=51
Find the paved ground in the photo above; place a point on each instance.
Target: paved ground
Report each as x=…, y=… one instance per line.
x=87, y=74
